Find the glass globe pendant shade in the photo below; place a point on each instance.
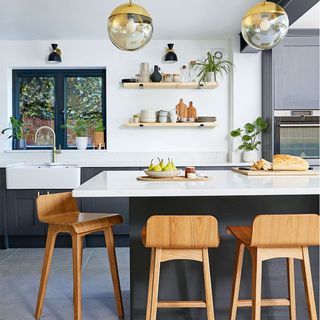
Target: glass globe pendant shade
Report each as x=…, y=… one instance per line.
x=265, y=25
x=130, y=27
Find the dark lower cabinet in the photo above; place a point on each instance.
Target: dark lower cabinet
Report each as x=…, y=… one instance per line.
x=21, y=214
x=3, y=238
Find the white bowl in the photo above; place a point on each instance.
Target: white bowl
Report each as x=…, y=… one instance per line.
x=163, y=174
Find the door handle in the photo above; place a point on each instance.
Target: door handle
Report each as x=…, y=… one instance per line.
x=307, y=125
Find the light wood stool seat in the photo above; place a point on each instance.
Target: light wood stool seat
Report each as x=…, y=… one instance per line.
x=60, y=211
x=275, y=236
x=179, y=238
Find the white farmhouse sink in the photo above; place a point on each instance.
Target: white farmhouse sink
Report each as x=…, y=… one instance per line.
x=43, y=176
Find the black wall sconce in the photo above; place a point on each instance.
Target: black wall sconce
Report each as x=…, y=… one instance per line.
x=55, y=55
x=170, y=55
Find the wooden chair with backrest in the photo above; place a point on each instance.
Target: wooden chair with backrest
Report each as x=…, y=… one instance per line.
x=60, y=211
x=275, y=236
x=176, y=238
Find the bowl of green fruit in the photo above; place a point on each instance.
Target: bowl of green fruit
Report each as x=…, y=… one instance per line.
x=162, y=170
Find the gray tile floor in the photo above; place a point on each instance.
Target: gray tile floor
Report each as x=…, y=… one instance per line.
x=20, y=271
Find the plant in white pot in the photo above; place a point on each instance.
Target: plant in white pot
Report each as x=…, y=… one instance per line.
x=80, y=127
x=212, y=65
x=249, y=137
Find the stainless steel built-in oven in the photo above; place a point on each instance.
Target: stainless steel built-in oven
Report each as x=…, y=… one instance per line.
x=297, y=133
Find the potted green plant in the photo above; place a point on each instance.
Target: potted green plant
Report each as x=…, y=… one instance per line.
x=80, y=127
x=211, y=66
x=17, y=134
x=249, y=137
x=98, y=135
x=136, y=118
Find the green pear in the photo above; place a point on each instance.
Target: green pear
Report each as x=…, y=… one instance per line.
x=168, y=167
x=151, y=167
x=174, y=168
x=157, y=168
x=161, y=163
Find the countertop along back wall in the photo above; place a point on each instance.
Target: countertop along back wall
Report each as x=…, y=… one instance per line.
x=226, y=102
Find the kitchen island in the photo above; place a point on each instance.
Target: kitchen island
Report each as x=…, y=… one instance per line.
x=233, y=199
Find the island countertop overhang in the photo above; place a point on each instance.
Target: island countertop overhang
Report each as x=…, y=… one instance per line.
x=220, y=183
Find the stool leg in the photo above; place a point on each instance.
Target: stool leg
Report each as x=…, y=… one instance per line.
x=155, y=287
x=51, y=239
x=207, y=284
x=114, y=269
x=256, y=283
x=150, y=289
x=76, y=257
x=237, y=280
x=307, y=278
x=291, y=286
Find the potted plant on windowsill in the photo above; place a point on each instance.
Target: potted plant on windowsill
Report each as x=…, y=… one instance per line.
x=212, y=65
x=98, y=135
x=17, y=134
x=80, y=127
x=249, y=137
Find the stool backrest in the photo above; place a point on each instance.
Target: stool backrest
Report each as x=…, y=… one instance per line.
x=56, y=204
x=182, y=232
x=286, y=230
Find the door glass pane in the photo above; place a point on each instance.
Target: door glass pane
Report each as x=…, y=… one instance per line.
x=84, y=101
x=36, y=105
x=300, y=141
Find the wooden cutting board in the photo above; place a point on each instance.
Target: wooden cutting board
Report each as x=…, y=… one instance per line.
x=269, y=173
x=180, y=178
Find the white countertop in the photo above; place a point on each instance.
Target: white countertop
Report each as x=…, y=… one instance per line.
x=221, y=183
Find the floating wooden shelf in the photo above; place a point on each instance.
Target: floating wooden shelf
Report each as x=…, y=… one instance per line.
x=170, y=85
x=174, y=125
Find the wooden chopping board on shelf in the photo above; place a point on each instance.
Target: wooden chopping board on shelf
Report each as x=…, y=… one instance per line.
x=263, y=173
x=180, y=178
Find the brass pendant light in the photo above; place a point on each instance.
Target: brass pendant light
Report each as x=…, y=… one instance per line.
x=130, y=27
x=265, y=25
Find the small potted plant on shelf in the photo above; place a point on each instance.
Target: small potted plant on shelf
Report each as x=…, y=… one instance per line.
x=17, y=134
x=212, y=65
x=80, y=127
x=98, y=135
x=249, y=137
x=136, y=118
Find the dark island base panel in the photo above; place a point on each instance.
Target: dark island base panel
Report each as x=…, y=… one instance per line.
x=183, y=280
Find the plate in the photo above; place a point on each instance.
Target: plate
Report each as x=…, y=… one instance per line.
x=163, y=174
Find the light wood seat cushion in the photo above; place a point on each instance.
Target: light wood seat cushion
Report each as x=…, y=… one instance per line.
x=85, y=222
x=242, y=233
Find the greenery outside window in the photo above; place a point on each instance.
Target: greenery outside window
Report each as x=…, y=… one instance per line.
x=57, y=97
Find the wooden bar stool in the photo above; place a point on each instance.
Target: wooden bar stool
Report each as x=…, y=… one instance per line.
x=270, y=237
x=61, y=212
x=178, y=238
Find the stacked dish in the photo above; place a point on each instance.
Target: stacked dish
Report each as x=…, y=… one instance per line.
x=148, y=116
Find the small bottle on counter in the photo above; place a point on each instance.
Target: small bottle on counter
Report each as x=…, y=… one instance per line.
x=190, y=170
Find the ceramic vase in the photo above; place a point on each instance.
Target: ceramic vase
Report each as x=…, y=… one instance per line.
x=250, y=156
x=156, y=75
x=211, y=77
x=19, y=144
x=81, y=143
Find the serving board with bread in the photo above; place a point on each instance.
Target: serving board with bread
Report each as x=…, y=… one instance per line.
x=282, y=165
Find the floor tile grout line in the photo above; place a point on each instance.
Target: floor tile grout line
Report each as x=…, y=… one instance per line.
x=86, y=262
x=9, y=256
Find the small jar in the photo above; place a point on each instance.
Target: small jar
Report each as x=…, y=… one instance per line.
x=176, y=77
x=189, y=170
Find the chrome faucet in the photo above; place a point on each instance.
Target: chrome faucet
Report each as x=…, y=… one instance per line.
x=54, y=150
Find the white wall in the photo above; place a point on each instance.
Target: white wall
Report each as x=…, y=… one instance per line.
x=235, y=101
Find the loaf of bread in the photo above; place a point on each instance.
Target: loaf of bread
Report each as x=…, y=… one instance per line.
x=283, y=162
x=262, y=165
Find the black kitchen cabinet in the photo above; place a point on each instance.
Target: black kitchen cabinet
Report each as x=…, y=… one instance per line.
x=296, y=73
x=2, y=207
x=21, y=213
x=107, y=205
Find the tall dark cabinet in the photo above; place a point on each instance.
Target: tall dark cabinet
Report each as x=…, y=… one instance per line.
x=290, y=79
